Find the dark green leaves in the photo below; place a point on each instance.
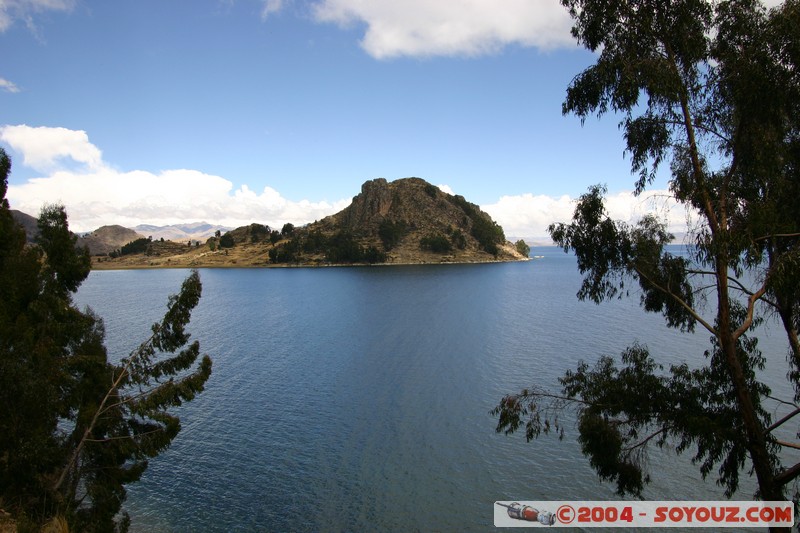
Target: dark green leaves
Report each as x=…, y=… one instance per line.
x=712, y=89
x=66, y=267
x=125, y=425
x=75, y=429
x=611, y=253
x=624, y=408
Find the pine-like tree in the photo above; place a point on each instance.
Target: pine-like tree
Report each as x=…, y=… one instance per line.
x=75, y=428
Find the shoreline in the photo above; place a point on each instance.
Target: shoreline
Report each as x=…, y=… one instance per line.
x=165, y=266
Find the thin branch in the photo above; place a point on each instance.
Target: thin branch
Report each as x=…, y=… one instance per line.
x=787, y=475
x=680, y=301
x=783, y=420
x=751, y=304
x=133, y=398
x=771, y=397
x=703, y=288
x=682, y=124
x=648, y=439
x=788, y=444
x=527, y=395
x=123, y=437
x=777, y=235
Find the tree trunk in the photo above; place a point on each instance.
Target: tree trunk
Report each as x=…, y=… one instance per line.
x=756, y=439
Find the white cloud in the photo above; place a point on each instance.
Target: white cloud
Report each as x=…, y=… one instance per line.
x=445, y=188
x=453, y=27
x=11, y=10
x=270, y=8
x=95, y=194
x=529, y=215
x=44, y=148
x=8, y=86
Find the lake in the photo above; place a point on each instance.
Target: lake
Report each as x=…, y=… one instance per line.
x=357, y=399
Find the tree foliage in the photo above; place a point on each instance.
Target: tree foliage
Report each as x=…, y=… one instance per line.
x=137, y=246
x=436, y=243
x=712, y=90
x=226, y=241
x=287, y=230
x=487, y=232
x=258, y=232
x=76, y=428
x=523, y=248
x=391, y=232
x=340, y=247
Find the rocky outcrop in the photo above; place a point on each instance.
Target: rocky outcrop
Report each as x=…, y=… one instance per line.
x=373, y=204
x=404, y=221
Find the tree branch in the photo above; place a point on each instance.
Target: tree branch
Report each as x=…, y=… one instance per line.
x=777, y=235
x=525, y=394
x=782, y=420
x=680, y=301
x=788, y=475
x=648, y=439
x=751, y=304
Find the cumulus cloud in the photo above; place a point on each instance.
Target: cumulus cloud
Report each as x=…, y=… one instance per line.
x=11, y=10
x=74, y=173
x=45, y=148
x=529, y=215
x=8, y=86
x=96, y=194
x=452, y=28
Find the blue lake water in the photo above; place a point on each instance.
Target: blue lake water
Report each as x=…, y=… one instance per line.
x=357, y=399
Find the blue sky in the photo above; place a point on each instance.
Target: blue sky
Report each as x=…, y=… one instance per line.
x=235, y=111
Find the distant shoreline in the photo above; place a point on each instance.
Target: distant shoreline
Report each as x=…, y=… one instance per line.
x=112, y=265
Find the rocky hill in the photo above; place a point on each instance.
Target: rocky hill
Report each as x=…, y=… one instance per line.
x=404, y=221
x=106, y=239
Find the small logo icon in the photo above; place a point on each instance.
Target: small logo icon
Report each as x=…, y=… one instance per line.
x=565, y=514
x=528, y=513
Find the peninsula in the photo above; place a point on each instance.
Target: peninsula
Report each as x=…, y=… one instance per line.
x=406, y=221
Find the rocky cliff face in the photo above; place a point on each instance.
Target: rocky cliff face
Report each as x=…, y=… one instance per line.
x=372, y=205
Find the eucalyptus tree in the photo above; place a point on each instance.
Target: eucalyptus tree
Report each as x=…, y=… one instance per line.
x=76, y=426
x=711, y=89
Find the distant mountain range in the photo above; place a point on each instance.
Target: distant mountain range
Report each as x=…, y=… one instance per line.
x=196, y=231
x=105, y=239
